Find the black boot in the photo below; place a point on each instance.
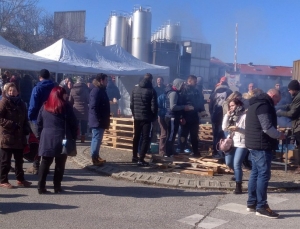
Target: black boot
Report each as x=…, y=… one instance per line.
x=238, y=188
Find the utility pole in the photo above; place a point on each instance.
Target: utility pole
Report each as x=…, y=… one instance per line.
x=235, y=47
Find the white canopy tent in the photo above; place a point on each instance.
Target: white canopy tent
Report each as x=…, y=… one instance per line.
x=112, y=60
x=97, y=58
x=11, y=57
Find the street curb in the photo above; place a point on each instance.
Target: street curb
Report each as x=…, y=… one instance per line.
x=171, y=182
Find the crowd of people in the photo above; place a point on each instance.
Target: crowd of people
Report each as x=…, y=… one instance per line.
x=52, y=113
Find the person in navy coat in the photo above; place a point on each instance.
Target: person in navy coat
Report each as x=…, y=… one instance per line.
x=55, y=118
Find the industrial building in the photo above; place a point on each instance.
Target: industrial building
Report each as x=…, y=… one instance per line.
x=70, y=25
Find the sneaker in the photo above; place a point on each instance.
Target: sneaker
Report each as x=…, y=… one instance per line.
x=267, y=212
x=251, y=208
x=187, y=151
x=134, y=159
x=32, y=170
x=23, y=183
x=142, y=163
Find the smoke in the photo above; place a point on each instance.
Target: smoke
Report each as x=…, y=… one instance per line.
x=191, y=28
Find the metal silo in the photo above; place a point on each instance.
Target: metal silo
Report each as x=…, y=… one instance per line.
x=141, y=33
x=118, y=29
x=173, y=32
x=107, y=32
x=163, y=32
x=129, y=24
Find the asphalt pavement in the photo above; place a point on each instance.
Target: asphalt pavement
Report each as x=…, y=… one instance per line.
x=93, y=200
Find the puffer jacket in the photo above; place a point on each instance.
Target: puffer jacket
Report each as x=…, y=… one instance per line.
x=13, y=123
x=143, y=102
x=79, y=98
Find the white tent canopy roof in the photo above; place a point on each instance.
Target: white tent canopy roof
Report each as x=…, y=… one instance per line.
x=12, y=57
x=96, y=58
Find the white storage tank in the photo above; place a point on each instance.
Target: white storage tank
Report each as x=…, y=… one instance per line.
x=118, y=29
x=173, y=32
x=141, y=33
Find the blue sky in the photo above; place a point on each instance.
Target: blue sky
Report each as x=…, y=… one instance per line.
x=268, y=29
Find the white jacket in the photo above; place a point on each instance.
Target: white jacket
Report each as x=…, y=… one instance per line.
x=239, y=135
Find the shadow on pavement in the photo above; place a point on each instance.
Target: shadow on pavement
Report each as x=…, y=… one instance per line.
x=6, y=208
x=11, y=195
x=136, y=192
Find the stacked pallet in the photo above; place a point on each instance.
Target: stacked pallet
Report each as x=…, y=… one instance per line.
x=205, y=132
x=120, y=134
x=188, y=165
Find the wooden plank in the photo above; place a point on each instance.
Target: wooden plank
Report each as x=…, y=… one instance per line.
x=199, y=173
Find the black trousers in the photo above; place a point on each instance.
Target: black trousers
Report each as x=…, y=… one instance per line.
x=172, y=129
x=5, y=163
x=37, y=159
x=60, y=163
x=144, y=129
x=297, y=138
x=191, y=128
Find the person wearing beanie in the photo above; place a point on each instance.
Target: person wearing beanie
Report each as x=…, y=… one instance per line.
x=292, y=111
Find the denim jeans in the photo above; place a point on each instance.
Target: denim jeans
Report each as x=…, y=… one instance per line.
x=259, y=177
x=97, y=136
x=235, y=160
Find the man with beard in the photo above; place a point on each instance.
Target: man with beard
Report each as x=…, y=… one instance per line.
x=293, y=112
x=193, y=97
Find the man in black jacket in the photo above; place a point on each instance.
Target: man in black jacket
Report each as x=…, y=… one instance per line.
x=144, y=108
x=193, y=97
x=99, y=115
x=261, y=138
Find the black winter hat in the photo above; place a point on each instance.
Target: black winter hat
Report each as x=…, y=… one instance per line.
x=294, y=85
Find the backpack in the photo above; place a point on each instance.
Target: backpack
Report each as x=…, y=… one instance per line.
x=162, y=104
x=217, y=114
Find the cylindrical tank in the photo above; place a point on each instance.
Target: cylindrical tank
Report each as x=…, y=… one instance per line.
x=129, y=20
x=141, y=33
x=163, y=32
x=155, y=36
x=118, y=30
x=106, y=39
x=173, y=33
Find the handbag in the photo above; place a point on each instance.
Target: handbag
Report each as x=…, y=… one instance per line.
x=69, y=145
x=225, y=144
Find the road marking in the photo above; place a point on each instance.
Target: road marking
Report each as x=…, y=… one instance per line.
x=237, y=208
x=207, y=223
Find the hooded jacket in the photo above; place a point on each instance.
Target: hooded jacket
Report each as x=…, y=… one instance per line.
x=39, y=95
x=293, y=112
x=13, y=123
x=99, y=109
x=261, y=123
x=174, y=103
x=143, y=102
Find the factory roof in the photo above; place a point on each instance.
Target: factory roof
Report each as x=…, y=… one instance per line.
x=251, y=69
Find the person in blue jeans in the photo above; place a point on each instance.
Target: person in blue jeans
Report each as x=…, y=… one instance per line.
x=234, y=122
x=99, y=116
x=261, y=139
